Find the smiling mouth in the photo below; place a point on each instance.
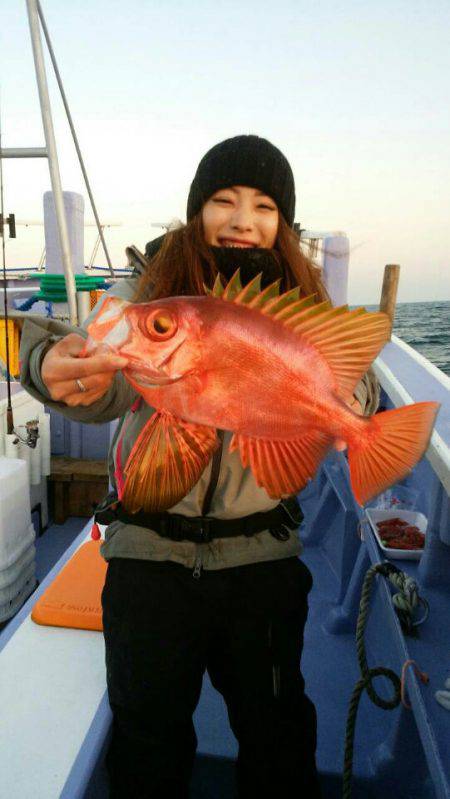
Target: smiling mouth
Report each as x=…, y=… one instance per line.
x=236, y=243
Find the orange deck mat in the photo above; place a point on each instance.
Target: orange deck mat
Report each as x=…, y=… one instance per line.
x=74, y=597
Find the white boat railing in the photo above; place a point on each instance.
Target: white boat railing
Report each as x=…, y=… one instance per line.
x=438, y=452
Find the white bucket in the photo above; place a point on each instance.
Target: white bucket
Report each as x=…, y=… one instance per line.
x=9, y=609
x=12, y=573
x=11, y=591
x=15, y=512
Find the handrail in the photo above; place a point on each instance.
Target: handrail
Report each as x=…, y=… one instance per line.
x=433, y=370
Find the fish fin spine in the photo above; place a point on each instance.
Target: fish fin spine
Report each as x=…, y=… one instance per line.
x=282, y=467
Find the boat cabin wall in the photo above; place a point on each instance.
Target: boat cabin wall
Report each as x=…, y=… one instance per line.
x=77, y=440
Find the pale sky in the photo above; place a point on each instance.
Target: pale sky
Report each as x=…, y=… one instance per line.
x=356, y=96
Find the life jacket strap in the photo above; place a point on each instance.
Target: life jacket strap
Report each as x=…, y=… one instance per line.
x=286, y=517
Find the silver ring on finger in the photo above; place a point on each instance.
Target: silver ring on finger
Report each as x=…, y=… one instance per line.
x=81, y=385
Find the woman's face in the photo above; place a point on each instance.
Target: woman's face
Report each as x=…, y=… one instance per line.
x=240, y=217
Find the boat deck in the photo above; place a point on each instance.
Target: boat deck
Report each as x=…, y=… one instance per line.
x=330, y=668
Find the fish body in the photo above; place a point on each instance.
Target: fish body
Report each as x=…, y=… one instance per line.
x=274, y=369
x=223, y=360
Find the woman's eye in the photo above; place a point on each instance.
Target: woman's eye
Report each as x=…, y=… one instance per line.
x=221, y=200
x=269, y=207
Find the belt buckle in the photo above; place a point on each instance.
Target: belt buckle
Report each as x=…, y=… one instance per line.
x=281, y=532
x=205, y=530
x=190, y=528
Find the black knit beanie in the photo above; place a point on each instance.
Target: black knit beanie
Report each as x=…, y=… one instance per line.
x=244, y=161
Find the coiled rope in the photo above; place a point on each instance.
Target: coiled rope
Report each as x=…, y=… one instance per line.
x=405, y=602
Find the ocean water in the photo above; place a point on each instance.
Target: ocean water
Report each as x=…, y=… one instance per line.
x=425, y=326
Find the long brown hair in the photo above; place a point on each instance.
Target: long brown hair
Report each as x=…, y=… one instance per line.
x=184, y=262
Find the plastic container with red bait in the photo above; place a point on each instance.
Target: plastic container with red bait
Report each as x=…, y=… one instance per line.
x=413, y=519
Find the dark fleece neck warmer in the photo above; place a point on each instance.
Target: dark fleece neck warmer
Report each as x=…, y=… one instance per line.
x=251, y=261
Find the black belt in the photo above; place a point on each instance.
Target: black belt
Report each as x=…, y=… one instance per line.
x=202, y=529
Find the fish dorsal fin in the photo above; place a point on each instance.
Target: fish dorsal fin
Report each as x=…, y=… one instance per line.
x=233, y=288
x=282, y=468
x=166, y=461
x=217, y=290
x=263, y=298
x=249, y=291
x=348, y=340
x=268, y=300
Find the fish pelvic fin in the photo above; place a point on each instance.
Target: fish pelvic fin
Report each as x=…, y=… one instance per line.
x=282, y=468
x=349, y=341
x=165, y=462
x=394, y=441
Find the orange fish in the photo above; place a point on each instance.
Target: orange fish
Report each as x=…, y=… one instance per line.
x=275, y=370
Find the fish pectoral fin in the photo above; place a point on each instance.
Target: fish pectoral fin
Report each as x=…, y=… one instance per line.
x=282, y=467
x=166, y=461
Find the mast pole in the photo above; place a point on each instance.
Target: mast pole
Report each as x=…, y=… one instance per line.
x=55, y=178
x=74, y=135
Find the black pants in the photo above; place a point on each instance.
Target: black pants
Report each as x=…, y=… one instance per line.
x=162, y=629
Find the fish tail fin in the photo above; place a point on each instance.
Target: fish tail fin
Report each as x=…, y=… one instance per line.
x=392, y=444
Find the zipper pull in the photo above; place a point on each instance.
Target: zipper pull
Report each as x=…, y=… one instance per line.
x=197, y=568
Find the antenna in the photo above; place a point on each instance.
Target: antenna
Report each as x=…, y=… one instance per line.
x=9, y=411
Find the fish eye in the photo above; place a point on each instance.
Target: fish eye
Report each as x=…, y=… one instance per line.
x=161, y=325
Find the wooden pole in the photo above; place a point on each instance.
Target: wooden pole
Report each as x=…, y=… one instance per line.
x=389, y=290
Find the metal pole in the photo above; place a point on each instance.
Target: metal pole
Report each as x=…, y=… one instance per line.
x=9, y=410
x=94, y=252
x=74, y=135
x=55, y=178
x=24, y=152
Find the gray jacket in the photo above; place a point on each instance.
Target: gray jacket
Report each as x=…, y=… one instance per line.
x=236, y=494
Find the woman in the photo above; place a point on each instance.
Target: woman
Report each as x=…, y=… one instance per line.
x=177, y=601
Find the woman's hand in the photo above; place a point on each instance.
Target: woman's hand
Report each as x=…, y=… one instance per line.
x=62, y=367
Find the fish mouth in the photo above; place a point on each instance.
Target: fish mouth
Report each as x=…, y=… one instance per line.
x=150, y=378
x=150, y=375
